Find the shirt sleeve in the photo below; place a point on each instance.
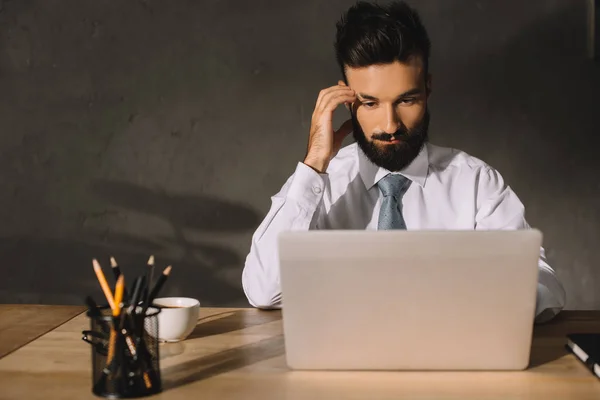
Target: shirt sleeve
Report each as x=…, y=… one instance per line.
x=498, y=207
x=293, y=208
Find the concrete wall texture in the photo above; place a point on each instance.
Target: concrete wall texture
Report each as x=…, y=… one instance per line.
x=163, y=127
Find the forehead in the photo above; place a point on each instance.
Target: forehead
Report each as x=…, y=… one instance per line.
x=386, y=81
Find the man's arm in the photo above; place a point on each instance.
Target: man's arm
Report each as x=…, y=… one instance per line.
x=551, y=296
x=293, y=208
x=296, y=205
x=498, y=207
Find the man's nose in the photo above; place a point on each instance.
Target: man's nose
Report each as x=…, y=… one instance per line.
x=392, y=122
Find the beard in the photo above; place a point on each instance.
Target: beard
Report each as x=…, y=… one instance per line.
x=393, y=156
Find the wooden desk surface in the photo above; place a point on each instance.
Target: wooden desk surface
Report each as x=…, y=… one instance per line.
x=22, y=323
x=239, y=354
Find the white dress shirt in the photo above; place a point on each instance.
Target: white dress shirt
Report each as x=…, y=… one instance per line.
x=450, y=190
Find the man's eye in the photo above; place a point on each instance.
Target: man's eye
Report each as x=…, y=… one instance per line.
x=408, y=100
x=369, y=105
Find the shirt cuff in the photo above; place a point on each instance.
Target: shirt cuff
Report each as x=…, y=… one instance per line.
x=307, y=186
x=547, y=307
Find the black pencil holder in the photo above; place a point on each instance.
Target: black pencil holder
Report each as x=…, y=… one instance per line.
x=125, y=354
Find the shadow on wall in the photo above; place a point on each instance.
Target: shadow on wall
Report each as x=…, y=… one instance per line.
x=61, y=270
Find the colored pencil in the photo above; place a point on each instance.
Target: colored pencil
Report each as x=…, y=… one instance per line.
x=159, y=284
x=103, y=283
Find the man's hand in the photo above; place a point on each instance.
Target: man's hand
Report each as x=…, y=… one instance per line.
x=324, y=142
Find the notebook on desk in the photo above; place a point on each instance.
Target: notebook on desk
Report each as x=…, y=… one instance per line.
x=409, y=300
x=586, y=347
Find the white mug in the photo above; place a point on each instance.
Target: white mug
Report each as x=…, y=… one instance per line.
x=177, y=318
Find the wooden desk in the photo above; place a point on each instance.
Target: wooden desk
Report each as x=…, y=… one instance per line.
x=239, y=354
x=22, y=323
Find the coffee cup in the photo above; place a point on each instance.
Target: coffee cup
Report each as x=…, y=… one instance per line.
x=177, y=318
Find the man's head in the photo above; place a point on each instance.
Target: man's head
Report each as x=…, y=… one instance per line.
x=383, y=53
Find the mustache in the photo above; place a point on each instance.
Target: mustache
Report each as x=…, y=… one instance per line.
x=400, y=134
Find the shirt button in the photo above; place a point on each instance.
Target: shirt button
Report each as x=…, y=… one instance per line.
x=316, y=189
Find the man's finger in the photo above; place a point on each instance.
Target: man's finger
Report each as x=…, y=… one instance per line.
x=334, y=96
x=338, y=99
x=325, y=94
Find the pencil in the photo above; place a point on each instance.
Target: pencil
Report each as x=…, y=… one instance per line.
x=103, y=283
x=111, y=346
x=117, y=272
x=134, y=354
x=118, y=295
x=149, y=277
x=116, y=311
x=161, y=281
x=138, y=289
x=115, y=268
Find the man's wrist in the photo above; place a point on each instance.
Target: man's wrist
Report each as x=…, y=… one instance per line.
x=307, y=187
x=319, y=164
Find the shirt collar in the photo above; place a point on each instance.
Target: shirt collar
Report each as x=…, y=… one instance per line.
x=416, y=171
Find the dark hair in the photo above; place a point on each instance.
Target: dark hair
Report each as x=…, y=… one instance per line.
x=372, y=34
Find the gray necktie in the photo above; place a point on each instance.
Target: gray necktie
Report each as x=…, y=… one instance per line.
x=393, y=188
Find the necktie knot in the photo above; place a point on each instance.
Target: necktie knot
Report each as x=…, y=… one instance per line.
x=393, y=185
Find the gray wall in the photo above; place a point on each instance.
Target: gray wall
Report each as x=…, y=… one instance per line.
x=163, y=127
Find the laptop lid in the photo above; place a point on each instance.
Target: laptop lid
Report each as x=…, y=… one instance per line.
x=389, y=300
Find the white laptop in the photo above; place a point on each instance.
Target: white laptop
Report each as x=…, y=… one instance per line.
x=409, y=300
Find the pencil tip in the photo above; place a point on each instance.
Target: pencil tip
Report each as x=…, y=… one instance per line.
x=151, y=260
x=113, y=262
x=95, y=264
x=167, y=270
